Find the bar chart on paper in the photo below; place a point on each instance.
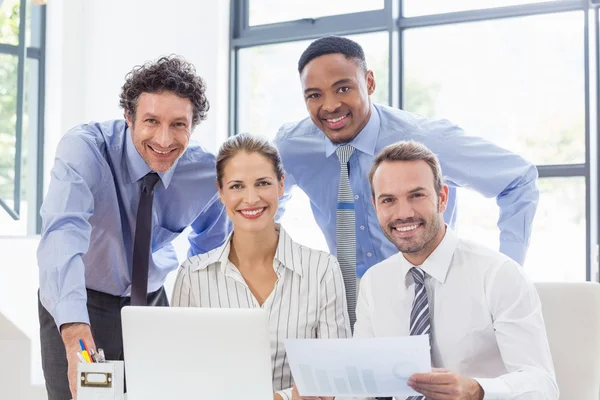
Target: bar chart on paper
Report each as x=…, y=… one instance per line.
x=357, y=367
x=351, y=380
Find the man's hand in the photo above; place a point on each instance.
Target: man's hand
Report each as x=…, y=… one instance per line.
x=71, y=333
x=442, y=384
x=296, y=395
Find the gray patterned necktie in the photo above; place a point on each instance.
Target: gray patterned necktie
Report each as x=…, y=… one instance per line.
x=345, y=231
x=419, y=315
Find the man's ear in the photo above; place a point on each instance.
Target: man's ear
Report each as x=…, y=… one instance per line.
x=127, y=116
x=443, y=195
x=370, y=77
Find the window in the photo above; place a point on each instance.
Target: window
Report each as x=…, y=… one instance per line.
x=516, y=72
x=271, y=11
x=424, y=7
x=21, y=115
x=518, y=82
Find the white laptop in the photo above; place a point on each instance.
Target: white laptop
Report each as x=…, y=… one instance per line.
x=196, y=353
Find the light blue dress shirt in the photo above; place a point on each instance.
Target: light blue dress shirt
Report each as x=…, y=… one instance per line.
x=467, y=161
x=90, y=210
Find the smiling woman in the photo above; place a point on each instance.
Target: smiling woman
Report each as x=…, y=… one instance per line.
x=260, y=266
x=250, y=182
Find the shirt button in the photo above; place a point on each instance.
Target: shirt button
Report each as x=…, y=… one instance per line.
x=362, y=227
x=355, y=197
x=369, y=254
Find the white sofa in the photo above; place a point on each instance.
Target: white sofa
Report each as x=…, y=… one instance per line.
x=572, y=317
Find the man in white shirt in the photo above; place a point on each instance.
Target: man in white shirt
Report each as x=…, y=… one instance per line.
x=483, y=315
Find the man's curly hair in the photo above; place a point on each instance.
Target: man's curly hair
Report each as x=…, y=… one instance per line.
x=172, y=74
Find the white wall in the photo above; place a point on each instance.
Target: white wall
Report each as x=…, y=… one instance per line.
x=91, y=45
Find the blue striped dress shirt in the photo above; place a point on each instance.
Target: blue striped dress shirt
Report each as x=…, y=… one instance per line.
x=90, y=210
x=467, y=161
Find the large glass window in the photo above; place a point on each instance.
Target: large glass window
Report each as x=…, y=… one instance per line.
x=21, y=122
x=557, y=247
x=8, y=107
x=518, y=82
x=510, y=71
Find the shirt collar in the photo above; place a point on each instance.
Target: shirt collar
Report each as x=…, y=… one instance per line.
x=287, y=253
x=438, y=262
x=365, y=141
x=136, y=165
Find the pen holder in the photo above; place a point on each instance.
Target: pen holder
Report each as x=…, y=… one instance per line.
x=100, y=381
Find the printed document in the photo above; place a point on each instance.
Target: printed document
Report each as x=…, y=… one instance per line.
x=374, y=367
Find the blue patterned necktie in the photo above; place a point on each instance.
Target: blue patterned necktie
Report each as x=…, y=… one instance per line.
x=345, y=231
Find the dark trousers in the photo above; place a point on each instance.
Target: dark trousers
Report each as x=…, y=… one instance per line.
x=105, y=319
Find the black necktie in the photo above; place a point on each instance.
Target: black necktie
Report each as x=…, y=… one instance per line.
x=141, y=244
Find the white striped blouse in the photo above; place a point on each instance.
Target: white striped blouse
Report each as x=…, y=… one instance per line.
x=308, y=299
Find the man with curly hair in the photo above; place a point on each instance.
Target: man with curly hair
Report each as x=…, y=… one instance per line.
x=120, y=192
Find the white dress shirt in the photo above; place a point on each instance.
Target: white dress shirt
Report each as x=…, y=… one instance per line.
x=307, y=301
x=486, y=317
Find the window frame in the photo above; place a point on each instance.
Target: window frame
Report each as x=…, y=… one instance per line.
x=391, y=19
x=24, y=54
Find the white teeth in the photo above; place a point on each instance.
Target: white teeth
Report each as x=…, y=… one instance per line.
x=255, y=212
x=160, y=152
x=336, y=119
x=406, y=228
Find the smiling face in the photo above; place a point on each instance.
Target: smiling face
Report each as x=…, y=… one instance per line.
x=409, y=210
x=162, y=128
x=250, y=191
x=336, y=92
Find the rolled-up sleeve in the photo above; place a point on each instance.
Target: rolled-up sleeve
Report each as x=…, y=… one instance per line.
x=210, y=228
x=65, y=237
x=475, y=163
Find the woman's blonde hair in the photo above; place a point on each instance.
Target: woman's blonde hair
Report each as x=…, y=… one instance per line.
x=249, y=144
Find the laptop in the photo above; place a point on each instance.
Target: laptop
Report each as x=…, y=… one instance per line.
x=196, y=353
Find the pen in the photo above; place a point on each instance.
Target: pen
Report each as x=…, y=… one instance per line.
x=86, y=349
x=93, y=356
x=81, y=359
x=85, y=346
x=86, y=356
